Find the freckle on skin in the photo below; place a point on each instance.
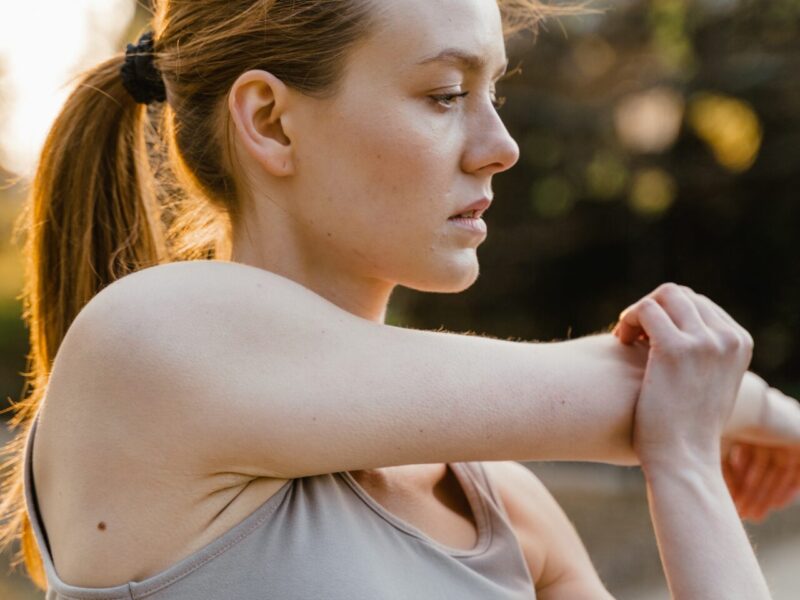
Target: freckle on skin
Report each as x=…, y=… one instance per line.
x=101, y=526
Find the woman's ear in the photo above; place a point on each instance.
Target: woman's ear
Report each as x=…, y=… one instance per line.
x=257, y=103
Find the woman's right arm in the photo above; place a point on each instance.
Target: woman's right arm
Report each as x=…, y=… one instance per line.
x=268, y=378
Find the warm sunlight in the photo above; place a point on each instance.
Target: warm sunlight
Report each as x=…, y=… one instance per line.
x=43, y=43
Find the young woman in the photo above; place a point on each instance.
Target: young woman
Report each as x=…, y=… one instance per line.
x=248, y=426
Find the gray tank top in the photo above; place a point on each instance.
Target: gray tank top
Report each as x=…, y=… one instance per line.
x=324, y=538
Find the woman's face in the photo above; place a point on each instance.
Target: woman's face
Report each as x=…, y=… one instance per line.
x=380, y=168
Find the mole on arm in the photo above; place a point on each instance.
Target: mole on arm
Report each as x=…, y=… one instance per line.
x=101, y=526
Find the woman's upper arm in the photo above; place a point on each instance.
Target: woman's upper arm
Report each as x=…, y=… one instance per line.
x=252, y=372
x=558, y=562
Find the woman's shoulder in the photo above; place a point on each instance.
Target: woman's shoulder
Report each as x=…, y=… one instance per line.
x=201, y=353
x=164, y=305
x=184, y=282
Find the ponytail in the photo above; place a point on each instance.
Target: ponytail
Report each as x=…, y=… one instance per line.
x=91, y=217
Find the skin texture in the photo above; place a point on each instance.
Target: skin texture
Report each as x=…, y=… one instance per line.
x=351, y=196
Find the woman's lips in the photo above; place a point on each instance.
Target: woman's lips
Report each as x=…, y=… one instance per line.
x=480, y=205
x=475, y=225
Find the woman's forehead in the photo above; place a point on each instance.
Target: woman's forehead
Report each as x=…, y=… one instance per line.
x=413, y=34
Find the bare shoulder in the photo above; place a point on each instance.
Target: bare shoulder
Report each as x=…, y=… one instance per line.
x=114, y=351
x=185, y=356
x=177, y=287
x=184, y=319
x=556, y=556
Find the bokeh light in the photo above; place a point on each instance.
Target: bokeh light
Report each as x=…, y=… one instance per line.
x=649, y=121
x=729, y=126
x=606, y=175
x=552, y=197
x=652, y=192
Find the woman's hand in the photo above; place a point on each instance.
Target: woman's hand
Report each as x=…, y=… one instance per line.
x=760, y=478
x=760, y=462
x=761, y=452
x=697, y=357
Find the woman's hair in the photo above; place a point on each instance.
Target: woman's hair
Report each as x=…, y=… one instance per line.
x=121, y=186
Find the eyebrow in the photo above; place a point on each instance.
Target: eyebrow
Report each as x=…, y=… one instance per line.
x=464, y=59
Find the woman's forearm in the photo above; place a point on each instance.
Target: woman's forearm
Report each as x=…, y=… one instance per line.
x=761, y=414
x=749, y=405
x=703, y=546
x=598, y=380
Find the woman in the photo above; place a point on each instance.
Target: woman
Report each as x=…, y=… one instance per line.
x=255, y=429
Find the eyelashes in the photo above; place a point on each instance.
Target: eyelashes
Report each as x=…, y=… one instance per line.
x=448, y=100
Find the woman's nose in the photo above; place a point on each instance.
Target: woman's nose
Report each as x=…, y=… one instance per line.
x=492, y=149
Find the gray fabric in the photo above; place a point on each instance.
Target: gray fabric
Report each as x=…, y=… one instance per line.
x=325, y=538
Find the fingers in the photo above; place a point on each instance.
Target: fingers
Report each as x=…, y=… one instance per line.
x=769, y=481
x=628, y=330
x=752, y=470
x=649, y=316
x=707, y=311
x=680, y=306
x=683, y=307
x=763, y=494
x=713, y=313
x=773, y=495
x=786, y=488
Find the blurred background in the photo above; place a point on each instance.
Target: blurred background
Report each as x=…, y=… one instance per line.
x=660, y=141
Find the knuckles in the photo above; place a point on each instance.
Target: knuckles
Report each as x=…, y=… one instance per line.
x=725, y=343
x=670, y=289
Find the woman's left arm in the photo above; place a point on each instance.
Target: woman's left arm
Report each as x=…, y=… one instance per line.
x=760, y=449
x=764, y=415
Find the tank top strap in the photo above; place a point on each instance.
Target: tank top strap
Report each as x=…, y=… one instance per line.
x=478, y=470
x=505, y=558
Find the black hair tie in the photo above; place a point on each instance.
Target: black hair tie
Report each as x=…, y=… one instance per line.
x=139, y=75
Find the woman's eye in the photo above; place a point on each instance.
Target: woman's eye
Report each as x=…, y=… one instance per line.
x=447, y=100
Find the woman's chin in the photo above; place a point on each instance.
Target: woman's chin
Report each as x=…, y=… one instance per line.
x=452, y=278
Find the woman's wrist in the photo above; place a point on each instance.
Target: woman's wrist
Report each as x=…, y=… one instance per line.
x=763, y=415
x=680, y=458
x=704, y=548
x=751, y=402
